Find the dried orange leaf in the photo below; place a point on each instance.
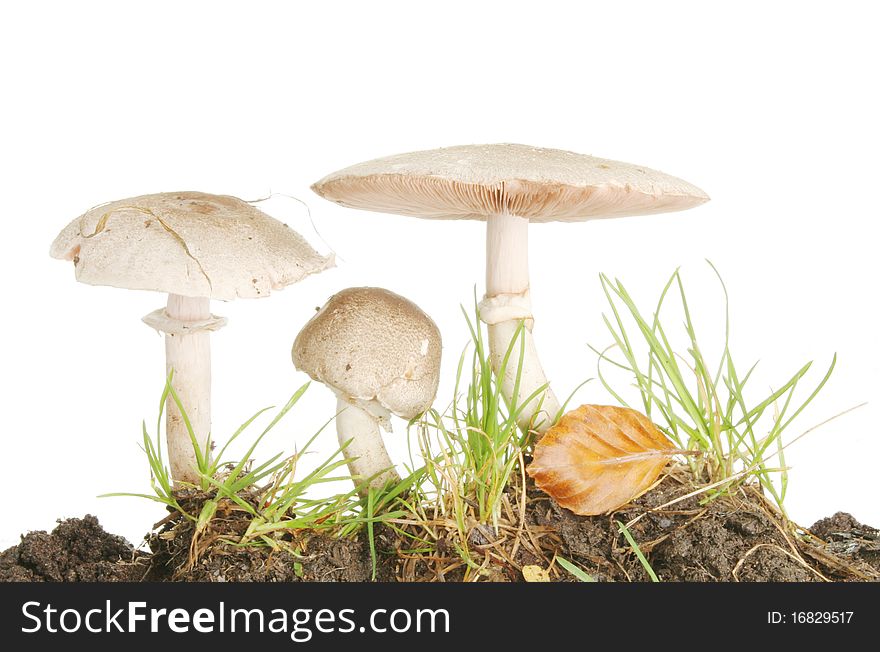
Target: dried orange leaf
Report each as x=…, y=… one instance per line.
x=599, y=457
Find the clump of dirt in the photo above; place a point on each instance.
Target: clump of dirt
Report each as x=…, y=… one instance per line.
x=843, y=537
x=737, y=537
x=77, y=550
x=180, y=553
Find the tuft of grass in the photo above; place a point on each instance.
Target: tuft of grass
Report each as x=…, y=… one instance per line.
x=467, y=491
x=480, y=442
x=702, y=406
x=471, y=451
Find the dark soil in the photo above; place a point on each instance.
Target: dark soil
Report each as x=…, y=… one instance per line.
x=739, y=537
x=77, y=550
x=736, y=538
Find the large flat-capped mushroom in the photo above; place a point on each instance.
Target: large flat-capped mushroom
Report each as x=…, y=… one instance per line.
x=196, y=247
x=509, y=186
x=380, y=354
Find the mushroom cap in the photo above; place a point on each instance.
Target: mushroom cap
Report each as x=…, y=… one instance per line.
x=475, y=181
x=376, y=349
x=187, y=243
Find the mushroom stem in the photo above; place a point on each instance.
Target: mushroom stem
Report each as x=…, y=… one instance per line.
x=365, y=453
x=189, y=356
x=507, y=303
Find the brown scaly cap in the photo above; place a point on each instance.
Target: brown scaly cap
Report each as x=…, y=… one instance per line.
x=371, y=345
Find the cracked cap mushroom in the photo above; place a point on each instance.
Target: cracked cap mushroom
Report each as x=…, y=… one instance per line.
x=196, y=247
x=509, y=186
x=380, y=354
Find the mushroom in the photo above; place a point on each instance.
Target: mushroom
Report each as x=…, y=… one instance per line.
x=196, y=247
x=509, y=186
x=380, y=354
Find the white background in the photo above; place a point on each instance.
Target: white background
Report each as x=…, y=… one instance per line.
x=771, y=107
